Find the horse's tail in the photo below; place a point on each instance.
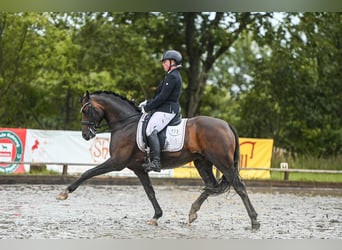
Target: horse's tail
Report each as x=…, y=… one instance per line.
x=237, y=149
x=223, y=184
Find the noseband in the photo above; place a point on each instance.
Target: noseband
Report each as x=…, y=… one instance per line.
x=92, y=124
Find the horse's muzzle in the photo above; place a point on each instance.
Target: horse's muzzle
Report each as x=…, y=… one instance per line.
x=89, y=134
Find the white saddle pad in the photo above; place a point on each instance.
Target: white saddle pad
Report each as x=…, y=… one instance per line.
x=174, y=136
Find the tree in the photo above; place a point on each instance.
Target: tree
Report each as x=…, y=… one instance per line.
x=201, y=38
x=21, y=46
x=278, y=80
x=295, y=92
x=37, y=70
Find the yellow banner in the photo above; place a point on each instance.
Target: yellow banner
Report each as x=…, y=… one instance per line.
x=254, y=153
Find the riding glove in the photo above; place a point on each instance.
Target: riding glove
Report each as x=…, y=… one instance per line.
x=143, y=110
x=142, y=104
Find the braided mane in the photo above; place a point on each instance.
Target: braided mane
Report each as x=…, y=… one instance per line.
x=133, y=104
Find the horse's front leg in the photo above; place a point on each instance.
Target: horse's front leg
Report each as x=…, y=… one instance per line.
x=103, y=168
x=146, y=182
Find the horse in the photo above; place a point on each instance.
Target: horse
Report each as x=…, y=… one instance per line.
x=208, y=142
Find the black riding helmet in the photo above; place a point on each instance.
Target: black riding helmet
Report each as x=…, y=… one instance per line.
x=172, y=55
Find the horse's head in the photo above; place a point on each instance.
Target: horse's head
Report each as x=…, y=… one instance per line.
x=92, y=115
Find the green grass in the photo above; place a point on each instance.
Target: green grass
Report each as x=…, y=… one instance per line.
x=308, y=162
x=42, y=172
x=314, y=177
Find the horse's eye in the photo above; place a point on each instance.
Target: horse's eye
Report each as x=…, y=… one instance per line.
x=86, y=110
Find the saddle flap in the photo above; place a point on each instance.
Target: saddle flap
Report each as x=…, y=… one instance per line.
x=173, y=134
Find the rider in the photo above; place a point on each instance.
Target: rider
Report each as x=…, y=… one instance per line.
x=164, y=105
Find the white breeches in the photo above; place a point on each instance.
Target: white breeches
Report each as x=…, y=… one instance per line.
x=158, y=121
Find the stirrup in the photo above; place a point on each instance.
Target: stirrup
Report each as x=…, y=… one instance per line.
x=151, y=166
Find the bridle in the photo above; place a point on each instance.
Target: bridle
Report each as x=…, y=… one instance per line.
x=94, y=125
x=91, y=123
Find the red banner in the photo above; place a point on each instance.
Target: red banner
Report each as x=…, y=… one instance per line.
x=12, y=147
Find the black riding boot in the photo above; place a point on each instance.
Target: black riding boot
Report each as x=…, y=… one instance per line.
x=153, y=142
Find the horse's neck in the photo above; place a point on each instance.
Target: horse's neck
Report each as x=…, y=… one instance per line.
x=120, y=124
x=117, y=114
x=116, y=110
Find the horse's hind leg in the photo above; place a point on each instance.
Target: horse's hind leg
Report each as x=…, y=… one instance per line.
x=205, y=169
x=240, y=188
x=219, y=189
x=197, y=205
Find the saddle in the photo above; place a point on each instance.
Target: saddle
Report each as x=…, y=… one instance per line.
x=171, y=138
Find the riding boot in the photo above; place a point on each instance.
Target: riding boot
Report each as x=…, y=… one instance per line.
x=154, y=163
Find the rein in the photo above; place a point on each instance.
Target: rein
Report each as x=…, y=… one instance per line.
x=119, y=124
x=93, y=125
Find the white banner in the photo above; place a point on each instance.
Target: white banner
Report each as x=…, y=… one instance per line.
x=58, y=146
x=68, y=147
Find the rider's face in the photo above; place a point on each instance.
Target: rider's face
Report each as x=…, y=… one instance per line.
x=166, y=65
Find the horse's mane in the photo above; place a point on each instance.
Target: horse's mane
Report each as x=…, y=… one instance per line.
x=130, y=102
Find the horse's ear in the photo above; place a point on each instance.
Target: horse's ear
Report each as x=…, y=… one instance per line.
x=86, y=96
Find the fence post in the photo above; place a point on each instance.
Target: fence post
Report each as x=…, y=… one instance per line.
x=285, y=166
x=65, y=169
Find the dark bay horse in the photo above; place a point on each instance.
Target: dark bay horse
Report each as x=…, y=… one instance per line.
x=208, y=142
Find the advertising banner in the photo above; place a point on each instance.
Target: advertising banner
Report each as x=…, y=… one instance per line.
x=254, y=153
x=12, y=148
x=59, y=146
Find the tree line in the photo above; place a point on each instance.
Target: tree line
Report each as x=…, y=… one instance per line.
x=272, y=75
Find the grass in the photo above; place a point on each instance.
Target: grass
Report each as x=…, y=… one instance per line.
x=313, y=177
x=308, y=162
x=43, y=172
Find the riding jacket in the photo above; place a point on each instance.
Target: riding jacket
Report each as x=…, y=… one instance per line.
x=166, y=98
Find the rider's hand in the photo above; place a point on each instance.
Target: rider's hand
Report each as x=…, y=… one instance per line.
x=142, y=104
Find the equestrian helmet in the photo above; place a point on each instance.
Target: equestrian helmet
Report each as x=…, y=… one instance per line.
x=173, y=55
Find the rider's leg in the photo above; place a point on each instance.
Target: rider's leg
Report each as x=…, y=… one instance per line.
x=153, y=142
x=157, y=123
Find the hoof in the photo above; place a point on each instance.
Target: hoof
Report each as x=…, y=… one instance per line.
x=152, y=222
x=62, y=196
x=192, y=217
x=255, y=225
